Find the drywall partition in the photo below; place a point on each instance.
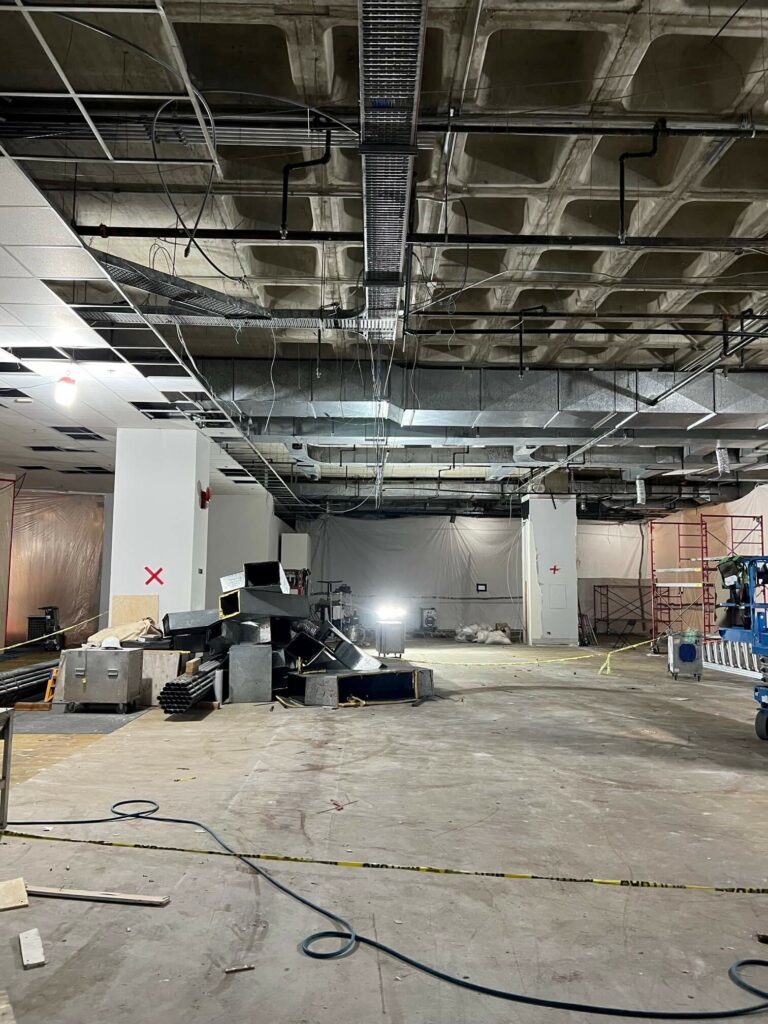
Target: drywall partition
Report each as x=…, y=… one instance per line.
x=468, y=569
x=615, y=555
x=7, y=490
x=241, y=528
x=56, y=560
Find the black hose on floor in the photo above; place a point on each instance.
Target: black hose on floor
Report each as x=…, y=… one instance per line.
x=348, y=938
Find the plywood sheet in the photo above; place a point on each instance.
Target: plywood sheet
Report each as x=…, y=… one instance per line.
x=13, y=893
x=158, y=668
x=132, y=607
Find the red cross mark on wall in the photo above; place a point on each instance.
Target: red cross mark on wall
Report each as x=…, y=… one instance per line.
x=153, y=576
x=554, y=569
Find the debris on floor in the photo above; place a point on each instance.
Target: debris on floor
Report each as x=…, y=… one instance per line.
x=31, y=946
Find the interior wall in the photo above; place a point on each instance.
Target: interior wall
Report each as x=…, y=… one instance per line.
x=425, y=561
x=616, y=554
x=56, y=560
x=241, y=528
x=7, y=488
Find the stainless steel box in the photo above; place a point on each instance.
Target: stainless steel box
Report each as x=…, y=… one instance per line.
x=101, y=676
x=390, y=638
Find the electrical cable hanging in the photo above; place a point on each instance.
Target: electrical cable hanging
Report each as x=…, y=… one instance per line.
x=348, y=938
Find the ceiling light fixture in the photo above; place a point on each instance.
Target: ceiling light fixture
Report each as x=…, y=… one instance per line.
x=65, y=391
x=23, y=400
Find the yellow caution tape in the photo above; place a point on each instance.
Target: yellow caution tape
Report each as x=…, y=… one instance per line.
x=605, y=667
x=626, y=883
x=56, y=632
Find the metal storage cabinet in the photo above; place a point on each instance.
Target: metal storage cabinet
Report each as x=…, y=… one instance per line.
x=100, y=676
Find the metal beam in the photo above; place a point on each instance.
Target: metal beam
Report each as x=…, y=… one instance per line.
x=629, y=331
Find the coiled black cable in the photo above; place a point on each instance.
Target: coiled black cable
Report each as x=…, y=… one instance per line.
x=348, y=938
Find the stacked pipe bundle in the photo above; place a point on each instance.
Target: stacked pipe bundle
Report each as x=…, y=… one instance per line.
x=182, y=693
x=26, y=682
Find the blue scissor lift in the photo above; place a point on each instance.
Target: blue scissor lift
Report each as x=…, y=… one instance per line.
x=748, y=607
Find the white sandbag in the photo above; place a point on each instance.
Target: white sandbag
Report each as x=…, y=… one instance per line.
x=497, y=637
x=482, y=635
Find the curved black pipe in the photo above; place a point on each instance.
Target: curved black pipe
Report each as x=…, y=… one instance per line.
x=660, y=126
x=293, y=167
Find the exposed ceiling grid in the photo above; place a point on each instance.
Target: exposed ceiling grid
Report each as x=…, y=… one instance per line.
x=516, y=140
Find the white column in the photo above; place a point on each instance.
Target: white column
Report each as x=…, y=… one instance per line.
x=159, y=531
x=550, y=585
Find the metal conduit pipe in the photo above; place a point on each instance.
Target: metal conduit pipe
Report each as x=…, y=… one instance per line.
x=324, y=159
x=427, y=239
x=437, y=332
x=630, y=155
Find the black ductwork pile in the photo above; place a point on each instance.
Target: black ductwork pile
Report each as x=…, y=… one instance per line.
x=26, y=683
x=262, y=636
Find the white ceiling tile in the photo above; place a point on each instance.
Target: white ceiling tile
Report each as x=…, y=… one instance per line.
x=8, y=320
x=39, y=315
x=15, y=188
x=26, y=289
x=10, y=267
x=55, y=263
x=33, y=225
x=187, y=384
x=124, y=381
x=79, y=335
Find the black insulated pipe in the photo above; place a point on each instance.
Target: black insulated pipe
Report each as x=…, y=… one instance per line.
x=660, y=126
x=324, y=159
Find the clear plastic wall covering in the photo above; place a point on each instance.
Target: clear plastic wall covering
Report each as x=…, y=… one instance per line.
x=56, y=560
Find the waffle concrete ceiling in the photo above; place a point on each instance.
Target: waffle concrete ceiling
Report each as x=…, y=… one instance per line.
x=525, y=116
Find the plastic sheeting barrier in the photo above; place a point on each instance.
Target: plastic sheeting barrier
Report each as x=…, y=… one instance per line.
x=55, y=560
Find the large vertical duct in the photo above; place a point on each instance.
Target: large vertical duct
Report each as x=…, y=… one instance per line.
x=391, y=57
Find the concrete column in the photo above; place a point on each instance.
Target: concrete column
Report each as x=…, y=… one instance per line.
x=550, y=591
x=159, y=531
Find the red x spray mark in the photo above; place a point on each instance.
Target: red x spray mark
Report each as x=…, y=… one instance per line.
x=153, y=575
x=554, y=569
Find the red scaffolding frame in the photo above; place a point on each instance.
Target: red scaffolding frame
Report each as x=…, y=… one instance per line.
x=684, y=594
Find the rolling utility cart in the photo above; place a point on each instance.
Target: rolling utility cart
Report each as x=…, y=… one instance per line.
x=102, y=676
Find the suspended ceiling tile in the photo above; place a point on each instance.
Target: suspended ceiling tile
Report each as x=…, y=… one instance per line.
x=73, y=337
x=33, y=225
x=185, y=384
x=125, y=381
x=26, y=289
x=10, y=267
x=7, y=319
x=40, y=315
x=57, y=263
x=16, y=189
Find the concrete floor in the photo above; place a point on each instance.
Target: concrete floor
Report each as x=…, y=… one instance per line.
x=549, y=769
